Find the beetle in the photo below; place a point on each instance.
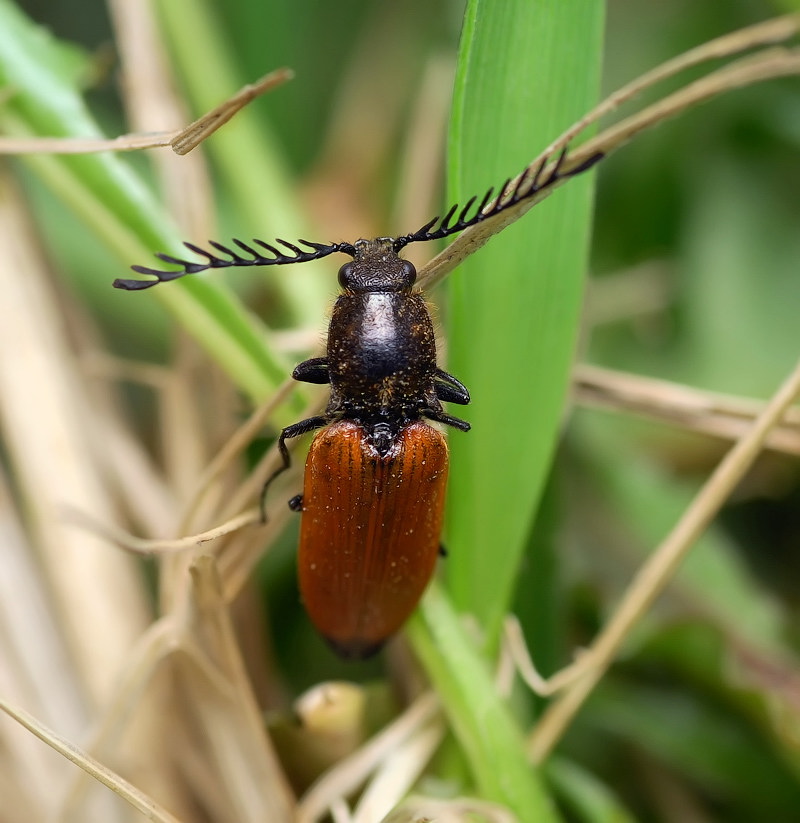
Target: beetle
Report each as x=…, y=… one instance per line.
x=375, y=477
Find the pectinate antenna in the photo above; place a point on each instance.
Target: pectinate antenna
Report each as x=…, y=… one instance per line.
x=233, y=258
x=531, y=182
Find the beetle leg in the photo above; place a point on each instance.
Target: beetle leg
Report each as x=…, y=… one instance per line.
x=449, y=388
x=447, y=419
x=314, y=370
x=296, y=503
x=295, y=430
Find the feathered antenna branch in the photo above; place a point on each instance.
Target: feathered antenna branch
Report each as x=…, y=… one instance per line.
x=277, y=258
x=531, y=181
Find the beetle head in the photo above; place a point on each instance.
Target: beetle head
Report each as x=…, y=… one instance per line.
x=376, y=267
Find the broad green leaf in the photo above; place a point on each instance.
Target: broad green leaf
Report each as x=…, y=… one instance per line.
x=526, y=71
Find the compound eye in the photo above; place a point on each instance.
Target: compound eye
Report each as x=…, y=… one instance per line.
x=409, y=273
x=346, y=273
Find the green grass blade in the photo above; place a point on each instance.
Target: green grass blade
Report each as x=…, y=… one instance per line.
x=484, y=727
x=252, y=166
x=588, y=799
x=109, y=197
x=526, y=71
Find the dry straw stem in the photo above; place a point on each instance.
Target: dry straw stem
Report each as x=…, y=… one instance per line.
x=146, y=547
x=149, y=94
x=233, y=728
x=52, y=430
x=85, y=145
x=33, y=658
x=706, y=412
x=420, y=166
x=764, y=65
x=458, y=810
x=141, y=802
x=204, y=127
x=398, y=773
x=515, y=660
x=656, y=573
x=182, y=141
x=152, y=103
x=359, y=137
x=238, y=558
x=347, y=776
x=197, y=638
x=167, y=637
x=233, y=449
x=49, y=430
x=359, y=140
x=271, y=459
x=149, y=498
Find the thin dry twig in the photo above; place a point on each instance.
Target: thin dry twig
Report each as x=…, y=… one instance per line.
x=48, y=428
x=149, y=547
x=765, y=65
x=182, y=141
x=235, y=445
x=657, y=571
x=515, y=658
x=205, y=126
x=270, y=461
x=85, y=145
x=768, y=64
x=138, y=799
x=399, y=773
x=720, y=415
x=348, y=775
x=770, y=32
x=454, y=810
x=233, y=728
x=153, y=102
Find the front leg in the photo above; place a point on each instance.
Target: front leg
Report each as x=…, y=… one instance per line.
x=295, y=430
x=441, y=417
x=449, y=388
x=314, y=370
